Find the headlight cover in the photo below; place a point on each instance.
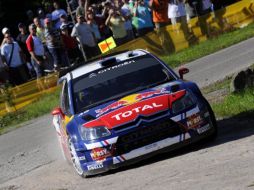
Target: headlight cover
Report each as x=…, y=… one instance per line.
x=94, y=133
x=183, y=103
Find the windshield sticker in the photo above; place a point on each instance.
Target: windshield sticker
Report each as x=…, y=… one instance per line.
x=116, y=66
x=128, y=100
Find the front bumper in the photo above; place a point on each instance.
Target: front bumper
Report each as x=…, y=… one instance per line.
x=165, y=145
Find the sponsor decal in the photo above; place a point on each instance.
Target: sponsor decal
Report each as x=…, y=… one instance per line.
x=146, y=107
x=131, y=112
x=130, y=100
x=136, y=110
x=194, y=121
x=100, y=154
x=95, y=166
x=203, y=129
x=116, y=66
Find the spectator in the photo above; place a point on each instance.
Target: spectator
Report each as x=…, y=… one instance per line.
x=160, y=19
x=70, y=44
x=189, y=10
x=5, y=30
x=116, y=21
x=48, y=11
x=41, y=16
x=12, y=58
x=202, y=8
x=36, y=49
x=84, y=34
x=64, y=21
x=56, y=15
x=141, y=20
x=91, y=21
x=40, y=30
x=125, y=10
x=21, y=39
x=4, y=77
x=55, y=45
x=81, y=8
x=100, y=20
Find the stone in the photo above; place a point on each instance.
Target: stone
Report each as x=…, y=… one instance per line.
x=241, y=80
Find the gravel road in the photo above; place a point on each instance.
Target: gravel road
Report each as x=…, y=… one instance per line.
x=31, y=159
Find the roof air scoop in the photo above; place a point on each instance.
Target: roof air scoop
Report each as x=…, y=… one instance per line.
x=108, y=62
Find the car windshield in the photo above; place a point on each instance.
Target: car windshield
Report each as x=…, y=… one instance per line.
x=119, y=80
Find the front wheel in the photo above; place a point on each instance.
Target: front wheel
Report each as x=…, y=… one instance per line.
x=75, y=160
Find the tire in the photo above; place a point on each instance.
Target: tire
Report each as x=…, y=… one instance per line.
x=75, y=160
x=213, y=135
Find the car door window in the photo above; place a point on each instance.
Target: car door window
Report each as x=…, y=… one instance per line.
x=65, y=104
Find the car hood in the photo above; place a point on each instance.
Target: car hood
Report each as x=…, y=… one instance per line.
x=127, y=109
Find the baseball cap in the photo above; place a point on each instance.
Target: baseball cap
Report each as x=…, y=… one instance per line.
x=4, y=30
x=62, y=15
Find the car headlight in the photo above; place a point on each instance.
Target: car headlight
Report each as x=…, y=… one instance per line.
x=94, y=133
x=183, y=103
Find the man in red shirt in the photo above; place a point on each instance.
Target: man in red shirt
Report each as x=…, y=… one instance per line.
x=36, y=49
x=160, y=19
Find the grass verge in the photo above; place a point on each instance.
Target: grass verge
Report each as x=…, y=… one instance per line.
x=210, y=46
x=42, y=106
x=240, y=104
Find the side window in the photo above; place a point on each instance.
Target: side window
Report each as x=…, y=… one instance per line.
x=65, y=105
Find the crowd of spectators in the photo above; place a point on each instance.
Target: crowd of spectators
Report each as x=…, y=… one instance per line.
x=53, y=38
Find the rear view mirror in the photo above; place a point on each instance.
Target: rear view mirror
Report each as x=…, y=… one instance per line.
x=57, y=111
x=183, y=71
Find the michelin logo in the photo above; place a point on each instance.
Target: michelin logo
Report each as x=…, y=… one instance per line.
x=95, y=166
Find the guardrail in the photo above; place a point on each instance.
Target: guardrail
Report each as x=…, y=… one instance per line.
x=237, y=15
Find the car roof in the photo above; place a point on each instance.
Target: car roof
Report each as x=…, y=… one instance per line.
x=94, y=65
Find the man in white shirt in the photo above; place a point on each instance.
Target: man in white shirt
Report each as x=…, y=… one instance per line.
x=85, y=36
x=13, y=59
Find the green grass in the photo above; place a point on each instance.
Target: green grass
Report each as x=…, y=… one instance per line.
x=42, y=106
x=224, y=84
x=239, y=104
x=210, y=46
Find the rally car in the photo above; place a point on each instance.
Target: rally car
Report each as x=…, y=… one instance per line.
x=127, y=107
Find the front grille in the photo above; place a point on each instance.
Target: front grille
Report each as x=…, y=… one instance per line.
x=140, y=118
x=145, y=135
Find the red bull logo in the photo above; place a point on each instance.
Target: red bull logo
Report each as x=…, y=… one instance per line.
x=131, y=99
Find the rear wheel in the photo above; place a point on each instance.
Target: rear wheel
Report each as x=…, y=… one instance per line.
x=75, y=160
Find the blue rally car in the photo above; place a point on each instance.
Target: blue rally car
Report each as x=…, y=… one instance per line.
x=127, y=107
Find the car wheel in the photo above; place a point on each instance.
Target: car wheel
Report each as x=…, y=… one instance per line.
x=212, y=136
x=75, y=160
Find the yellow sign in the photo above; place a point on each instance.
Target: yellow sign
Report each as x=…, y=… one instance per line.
x=107, y=44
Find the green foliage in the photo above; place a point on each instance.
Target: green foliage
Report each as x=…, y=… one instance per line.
x=240, y=104
x=43, y=106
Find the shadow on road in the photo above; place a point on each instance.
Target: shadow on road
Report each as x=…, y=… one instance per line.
x=229, y=129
